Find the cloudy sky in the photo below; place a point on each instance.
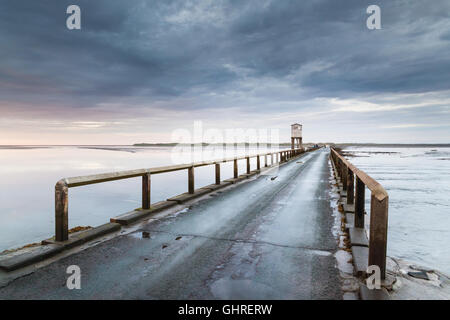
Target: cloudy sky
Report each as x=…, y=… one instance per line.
x=138, y=70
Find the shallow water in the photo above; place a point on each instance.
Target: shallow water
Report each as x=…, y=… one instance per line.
x=417, y=180
x=28, y=176
x=418, y=183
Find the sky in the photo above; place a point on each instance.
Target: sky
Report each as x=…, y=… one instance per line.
x=138, y=71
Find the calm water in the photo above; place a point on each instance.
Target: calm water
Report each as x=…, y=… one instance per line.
x=28, y=177
x=417, y=180
x=418, y=183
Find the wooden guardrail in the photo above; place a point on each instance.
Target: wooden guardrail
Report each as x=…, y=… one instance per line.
x=63, y=185
x=354, y=182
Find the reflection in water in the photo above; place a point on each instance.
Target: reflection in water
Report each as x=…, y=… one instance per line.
x=28, y=176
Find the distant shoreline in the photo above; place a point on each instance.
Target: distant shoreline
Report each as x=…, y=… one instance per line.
x=204, y=144
x=395, y=145
x=387, y=145
x=284, y=144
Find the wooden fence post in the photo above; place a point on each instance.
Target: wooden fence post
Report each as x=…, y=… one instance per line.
x=359, y=203
x=146, y=187
x=217, y=173
x=235, y=168
x=61, y=211
x=191, y=180
x=378, y=233
x=258, y=163
x=350, y=187
x=248, y=164
x=344, y=176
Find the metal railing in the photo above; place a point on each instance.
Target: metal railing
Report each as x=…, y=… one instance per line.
x=354, y=182
x=63, y=185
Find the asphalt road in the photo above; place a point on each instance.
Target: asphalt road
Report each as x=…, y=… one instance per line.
x=265, y=239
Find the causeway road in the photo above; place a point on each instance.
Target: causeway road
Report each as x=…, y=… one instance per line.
x=268, y=238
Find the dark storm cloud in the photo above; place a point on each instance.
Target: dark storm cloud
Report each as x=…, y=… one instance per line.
x=157, y=50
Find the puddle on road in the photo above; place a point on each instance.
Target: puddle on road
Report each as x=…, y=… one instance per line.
x=142, y=235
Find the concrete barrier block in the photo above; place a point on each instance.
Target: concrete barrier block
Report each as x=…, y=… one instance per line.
x=374, y=294
x=136, y=215
x=350, y=219
x=235, y=180
x=342, y=192
x=349, y=207
x=358, y=237
x=189, y=196
x=50, y=247
x=214, y=187
x=10, y=263
x=85, y=236
x=360, y=259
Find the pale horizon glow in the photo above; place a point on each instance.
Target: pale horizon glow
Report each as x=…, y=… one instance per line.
x=136, y=72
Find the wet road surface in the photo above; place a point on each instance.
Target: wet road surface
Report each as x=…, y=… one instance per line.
x=265, y=239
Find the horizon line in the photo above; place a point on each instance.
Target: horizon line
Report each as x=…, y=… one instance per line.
x=143, y=144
